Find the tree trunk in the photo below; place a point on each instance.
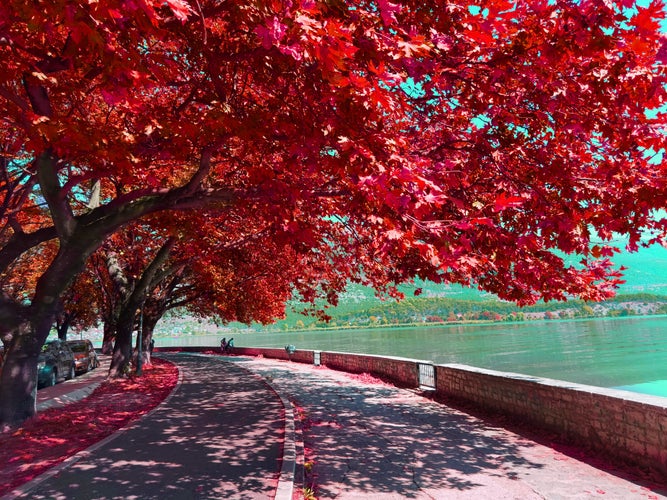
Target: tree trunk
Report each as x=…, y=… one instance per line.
x=18, y=384
x=63, y=327
x=19, y=374
x=79, y=236
x=109, y=336
x=149, y=322
x=122, y=349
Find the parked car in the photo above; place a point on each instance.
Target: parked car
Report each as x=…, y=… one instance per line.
x=85, y=357
x=56, y=363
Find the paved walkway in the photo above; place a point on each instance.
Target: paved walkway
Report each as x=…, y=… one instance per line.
x=377, y=441
x=221, y=435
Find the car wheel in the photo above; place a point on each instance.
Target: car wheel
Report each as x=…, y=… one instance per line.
x=72, y=372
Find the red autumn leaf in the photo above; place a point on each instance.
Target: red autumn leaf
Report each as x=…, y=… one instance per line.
x=271, y=33
x=388, y=11
x=180, y=8
x=648, y=18
x=503, y=202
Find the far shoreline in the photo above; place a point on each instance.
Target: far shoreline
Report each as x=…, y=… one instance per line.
x=480, y=323
x=449, y=323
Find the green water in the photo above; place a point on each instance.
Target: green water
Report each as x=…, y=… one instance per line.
x=624, y=352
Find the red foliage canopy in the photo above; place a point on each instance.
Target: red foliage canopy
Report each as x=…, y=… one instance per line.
x=378, y=141
x=453, y=143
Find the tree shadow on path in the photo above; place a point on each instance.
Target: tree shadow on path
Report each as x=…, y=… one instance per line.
x=219, y=436
x=376, y=440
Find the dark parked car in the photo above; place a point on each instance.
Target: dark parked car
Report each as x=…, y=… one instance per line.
x=85, y=357
x=56, y=363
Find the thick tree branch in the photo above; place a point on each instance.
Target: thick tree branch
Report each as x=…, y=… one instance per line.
x=163, y=275
x=147, y=277
x=116, y=274
x=61, y=213
x=38, y=96
x=106, y=219
x=11, y=315
x=204, y=168
x=22, y=242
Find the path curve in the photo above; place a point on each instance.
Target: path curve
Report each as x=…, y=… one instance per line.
x=218, y=436
x=370, y=440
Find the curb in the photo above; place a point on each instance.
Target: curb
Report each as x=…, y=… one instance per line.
x=77, y=394
x=300, y=473
x=70, y=397
x=285, y=490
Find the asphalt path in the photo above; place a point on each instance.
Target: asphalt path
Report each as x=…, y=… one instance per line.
x=219, y=435
x=371, y=440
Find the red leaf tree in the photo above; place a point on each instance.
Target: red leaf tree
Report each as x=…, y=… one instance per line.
x=393, y=139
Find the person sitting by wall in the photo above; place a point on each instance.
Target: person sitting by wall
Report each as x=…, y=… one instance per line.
x=230, y=345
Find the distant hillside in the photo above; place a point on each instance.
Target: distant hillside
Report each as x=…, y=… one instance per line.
x=644, y=293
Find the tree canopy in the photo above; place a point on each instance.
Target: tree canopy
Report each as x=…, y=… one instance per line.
x=371, y=141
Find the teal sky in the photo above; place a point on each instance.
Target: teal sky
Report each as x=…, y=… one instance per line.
x=647, y=270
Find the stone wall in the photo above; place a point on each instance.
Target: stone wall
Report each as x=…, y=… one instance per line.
x=300, y=356
x=401, y=371
x=620, y=424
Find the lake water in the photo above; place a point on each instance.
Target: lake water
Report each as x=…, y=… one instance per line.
x=628, y=353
